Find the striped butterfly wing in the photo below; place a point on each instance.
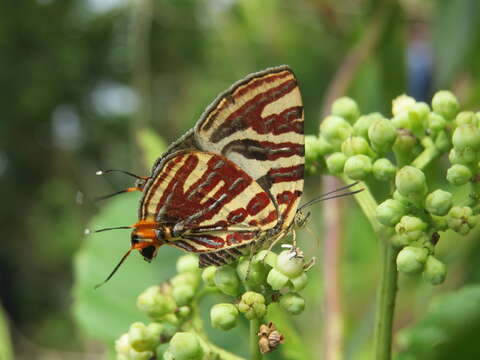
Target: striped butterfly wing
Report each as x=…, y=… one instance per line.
x=210, y=203
x=258, y=124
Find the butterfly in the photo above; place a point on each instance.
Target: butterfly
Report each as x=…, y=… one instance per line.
x=232, y=184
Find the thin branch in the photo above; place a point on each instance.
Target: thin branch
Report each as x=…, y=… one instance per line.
x=332, y=274
x=349, y=67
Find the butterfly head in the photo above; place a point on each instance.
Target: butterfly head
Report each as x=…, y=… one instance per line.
x=301, y=218
x=147, y=238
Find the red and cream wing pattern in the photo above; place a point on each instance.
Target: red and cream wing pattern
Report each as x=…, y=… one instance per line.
x=210, y=202
x=258, y=124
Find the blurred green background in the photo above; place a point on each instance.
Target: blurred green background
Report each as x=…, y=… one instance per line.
x=88, y=85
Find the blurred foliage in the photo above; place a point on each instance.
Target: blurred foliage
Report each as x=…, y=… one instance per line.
x=6, y=351
x=69, y=107
x=447, y=328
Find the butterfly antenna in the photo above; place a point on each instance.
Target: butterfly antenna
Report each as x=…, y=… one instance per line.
x=130, y=189
x=103, y=172
x=88, y=231
x=115, y=269
x=332, y=195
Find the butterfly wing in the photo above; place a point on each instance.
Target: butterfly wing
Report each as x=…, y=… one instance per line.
x=258, y=124
x=210, y=203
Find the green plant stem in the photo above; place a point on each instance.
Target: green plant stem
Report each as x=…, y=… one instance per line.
x=388, y=285
x=386, y=303
x=367, y=203
x=254, y=349
x=196, y=326
x=222, y=354
x=427, y=155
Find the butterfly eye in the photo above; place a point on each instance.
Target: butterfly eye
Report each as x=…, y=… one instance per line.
x=135, y=239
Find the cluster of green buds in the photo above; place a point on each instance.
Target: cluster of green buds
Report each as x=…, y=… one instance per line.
x=248, y=286
x=254, y=284
x=396, y=150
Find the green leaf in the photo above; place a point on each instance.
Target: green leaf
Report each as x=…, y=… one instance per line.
x=152, y=146
x=105, y=313
x=448, y=330
x=6, y=352
x=294, y=348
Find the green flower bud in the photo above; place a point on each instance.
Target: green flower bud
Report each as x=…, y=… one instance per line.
x=411, y=228
x=185, y=346
x=155, y=329
x=358, y=167
x=465, y=117
x=276, y=279
x=188, y=263
x=402, y=104
x=436, y=122
x=383, y=169
x=299, y=282
x=253, y=273
x=464, y=157
x=267, y=257
x=440, y=223
x=336, y=162
x=143, y=355
x=382, y=134
x=346, y=108
x=224, y=316
x=461, y=219
x=289, y=265
x=355, y=145
x=183, y=311
x=183, y=294
x=335, y=130
x=466, y=136
x=141, y=339
x=404, y=146
x=390, y=212
x=122, y=345
x=445, y=104
x=411, y=260
x=411, y=181
x=405, y=201
x=170, y=319
x=315, y=148
x=208, y=275
x=402, y=121
x=293, y=303
x=438, y=202
x=459, y=174
x=187, y=278
x=167, y=355
x=435, y=271
x=227, y=281
x=361, y=126
x=420, y=111
x=156, y=304
x=252, y=305
x=410, y=115
x=398, y=241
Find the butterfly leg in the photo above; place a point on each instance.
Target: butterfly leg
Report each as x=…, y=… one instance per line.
x=250, y=258
x=295, y=251
x=310, y=264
